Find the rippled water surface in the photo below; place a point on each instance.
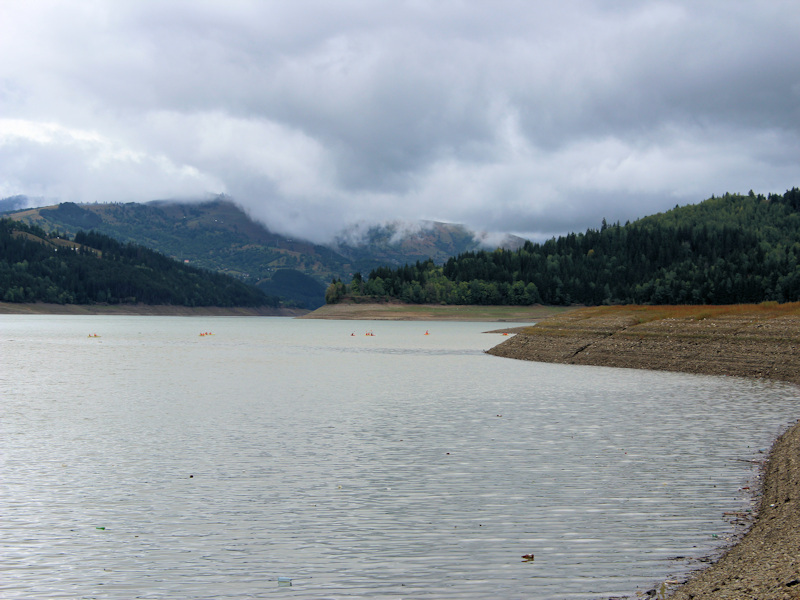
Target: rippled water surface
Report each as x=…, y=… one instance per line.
x=153, y=462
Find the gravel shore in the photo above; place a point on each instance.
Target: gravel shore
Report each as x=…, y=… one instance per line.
x=765, y=564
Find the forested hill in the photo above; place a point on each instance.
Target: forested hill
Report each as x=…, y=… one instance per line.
x=93, y=268
x=725, y=250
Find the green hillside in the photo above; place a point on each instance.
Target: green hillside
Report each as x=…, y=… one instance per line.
x=727, y=250
x=93, y=268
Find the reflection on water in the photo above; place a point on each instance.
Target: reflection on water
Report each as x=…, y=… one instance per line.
x=153, y=462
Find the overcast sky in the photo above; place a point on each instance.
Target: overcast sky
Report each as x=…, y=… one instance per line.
x=524, y=116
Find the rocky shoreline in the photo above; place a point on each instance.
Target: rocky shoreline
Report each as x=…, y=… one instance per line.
x=765, y=564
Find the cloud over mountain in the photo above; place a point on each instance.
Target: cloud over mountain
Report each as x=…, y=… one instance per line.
x=526, y=117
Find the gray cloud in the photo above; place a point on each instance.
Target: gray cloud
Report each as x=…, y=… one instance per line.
x=514, y=116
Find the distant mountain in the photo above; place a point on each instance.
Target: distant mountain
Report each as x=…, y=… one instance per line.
x=220, y=236
x=13, y=203
x=399, y=243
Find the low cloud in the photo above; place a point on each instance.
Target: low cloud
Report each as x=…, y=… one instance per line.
x=517, y=117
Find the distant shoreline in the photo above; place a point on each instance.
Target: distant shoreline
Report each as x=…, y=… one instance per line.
x=42, y=308
x=389, y=311
x=760, y=341
x=399, y=311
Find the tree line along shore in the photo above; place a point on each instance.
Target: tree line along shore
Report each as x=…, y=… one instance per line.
x=759, y=341
x=166, y=310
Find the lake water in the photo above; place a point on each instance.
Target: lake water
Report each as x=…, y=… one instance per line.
x=153, y=462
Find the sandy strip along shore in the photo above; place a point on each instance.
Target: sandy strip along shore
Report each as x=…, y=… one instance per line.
x=399, y=311
x=765, y=564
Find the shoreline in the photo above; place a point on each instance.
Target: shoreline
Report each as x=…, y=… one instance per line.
x=42, y=308
x=755, y=342
x=398, y=311
x=386, y=311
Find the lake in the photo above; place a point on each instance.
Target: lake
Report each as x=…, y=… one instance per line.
x=303, y=458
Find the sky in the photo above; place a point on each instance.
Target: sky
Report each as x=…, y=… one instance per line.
x=511, y=116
